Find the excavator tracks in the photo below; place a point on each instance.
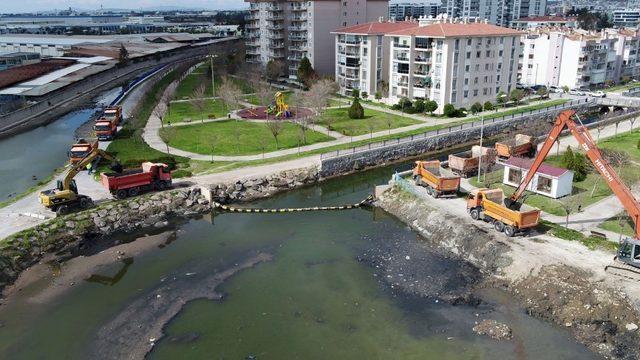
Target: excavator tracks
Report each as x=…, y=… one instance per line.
x=623, y=270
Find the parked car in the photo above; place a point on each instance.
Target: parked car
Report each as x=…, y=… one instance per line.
x=555, y=89
x=576, y=92
x=598, y=93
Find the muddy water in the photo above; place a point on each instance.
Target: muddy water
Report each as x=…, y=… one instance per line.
x=320, y=297
x=29, y=157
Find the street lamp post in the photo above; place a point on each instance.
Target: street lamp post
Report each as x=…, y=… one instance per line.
x=481, y=136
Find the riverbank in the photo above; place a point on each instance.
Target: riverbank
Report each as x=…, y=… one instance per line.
x=559, y=281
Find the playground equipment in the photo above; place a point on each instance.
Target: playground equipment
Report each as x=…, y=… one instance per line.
x=279, y=108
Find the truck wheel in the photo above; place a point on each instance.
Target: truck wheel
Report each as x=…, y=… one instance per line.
x=167, y=184
x=133, y=192
x=158, y=185
x=509, y=230
x=475, y=214
x=121, y=194
x=62, y=210
x=84, y=203
x=499, y=226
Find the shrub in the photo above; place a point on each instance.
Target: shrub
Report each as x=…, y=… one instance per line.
x=430, y=106
x=488, y=106
x=378, y=95
x=476, y=108
x=450, y=111
x=404, y=104
x=577, y=163
x=356, y=111
x=462, y=112
x=418, y=106
x=638, y=144
x=181, y=173
x=365, y=94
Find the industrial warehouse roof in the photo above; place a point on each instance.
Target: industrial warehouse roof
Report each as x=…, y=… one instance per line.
x=377, y=28
x=459, y=29
x=525, y=164
x=50, y=40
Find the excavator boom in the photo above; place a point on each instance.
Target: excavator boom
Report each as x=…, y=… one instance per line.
x=82, y=164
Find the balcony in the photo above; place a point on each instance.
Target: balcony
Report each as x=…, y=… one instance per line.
x=275, y=18
x=252, y=17
x=275, y=36
x=402, y=71
x=252, y=43
x=399, y=45
x=273, y=8
x=298, y=7
x=401, y=58
x=297, y=18
x=276, y=45
x=298, y=37
x=421, y=72
x=294, y=57
x=298, y=48
x=254, y=8
x=297, y=28
x=403, y=84
x=252, y=25
x=253, y=52
x=352, y=75
x=275, y=27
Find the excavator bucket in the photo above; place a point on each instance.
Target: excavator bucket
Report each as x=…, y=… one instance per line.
x=116, y=167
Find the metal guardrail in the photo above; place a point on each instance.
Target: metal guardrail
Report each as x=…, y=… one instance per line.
x=452, y=129
x=618, y=102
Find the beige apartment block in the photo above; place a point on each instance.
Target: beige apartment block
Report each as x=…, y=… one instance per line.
x=291, y=30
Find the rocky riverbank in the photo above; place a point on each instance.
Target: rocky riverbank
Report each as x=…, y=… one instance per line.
x=62, y=237
x=559, y=281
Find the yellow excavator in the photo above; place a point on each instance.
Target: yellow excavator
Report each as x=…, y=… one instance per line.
x=65, y=197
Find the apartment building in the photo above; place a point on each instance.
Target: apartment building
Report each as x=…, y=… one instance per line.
x=362, y=56
x=578, y=58
x=534, y=22
x=452, y=61
x=626, y=17
x=291, y=30
x=403, y=11
x=497, y=12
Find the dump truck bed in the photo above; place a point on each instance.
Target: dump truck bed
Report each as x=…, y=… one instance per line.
x=519, y=146
x=494, y=206
x=127, y=179
x=441, y=179
x=466, y=163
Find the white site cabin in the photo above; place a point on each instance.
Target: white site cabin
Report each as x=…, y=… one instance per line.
x=550, y=181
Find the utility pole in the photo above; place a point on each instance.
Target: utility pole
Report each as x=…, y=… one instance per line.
x=213, y=83
x=481, y=135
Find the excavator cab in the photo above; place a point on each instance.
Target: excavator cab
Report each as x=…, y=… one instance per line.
x=629, y=252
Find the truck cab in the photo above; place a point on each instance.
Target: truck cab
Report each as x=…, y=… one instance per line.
x=79, y=150
x=113, y=114
x=105, y=129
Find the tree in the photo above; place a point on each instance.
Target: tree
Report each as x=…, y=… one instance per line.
x=123, y=55
x=404, y=104
x=488, y=106
x=199, y=101
x=501, y=98
x=371, y=126
x=516, y=96
x=230, y=93
x=418, y=106
x=275, y=127
x=378, y=95
x=355, y=93
x=388, y=120
x=565, y=89
x=430, y=106
x=275, y=69
x=450, y=111
x=306, y=73
x=318, y=97
x=167, y=135
x=542, y=92
x=577, y=163
x=476, y=108
x=264, y=94
x=570, y=205
x=159, y=111
x=213, y=142
x=356, y=111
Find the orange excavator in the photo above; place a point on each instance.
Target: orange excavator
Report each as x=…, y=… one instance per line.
x=628, y=257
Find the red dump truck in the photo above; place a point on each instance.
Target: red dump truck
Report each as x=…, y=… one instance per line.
x=466, y=163
x=521, y=146
x=436, y=179
x=113, y=113
x=105, y=129
x=151, y=176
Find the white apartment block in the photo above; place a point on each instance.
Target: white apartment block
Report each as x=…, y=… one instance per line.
x=534, y=22
x=362, y=56
x=497, y=12
x=577, y=58
x=290, y=30
x=626, y=17
x=452, y=61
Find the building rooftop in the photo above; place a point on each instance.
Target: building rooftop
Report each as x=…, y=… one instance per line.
x=525, y=164
x=50, y=40
x=377, y=27
x=554, y=19
x=456, y=29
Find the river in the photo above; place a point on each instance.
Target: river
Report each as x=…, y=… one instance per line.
x=324, y=295
x=31, y=156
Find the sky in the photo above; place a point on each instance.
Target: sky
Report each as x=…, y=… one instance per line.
x=9, y=6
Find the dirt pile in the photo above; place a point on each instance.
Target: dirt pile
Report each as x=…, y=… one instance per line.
x=493, y=329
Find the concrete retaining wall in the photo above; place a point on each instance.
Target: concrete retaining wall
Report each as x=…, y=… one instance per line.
x=537, y=124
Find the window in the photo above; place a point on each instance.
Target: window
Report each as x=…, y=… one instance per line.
x=468, y=54
x=475, y=80
x=477, y=67
x=457, y=44
x=455, y=57
x=486, y=67
x=475, y=92
x=488, y=53
x=500, y=53
x=453, y=96
x=466, y=94
x=469, y=42
x=439, y=57
x=466, y=81
x=544, y=184
x=454, y=83
x=466, y=68
x=478, y=54
x=515, y=176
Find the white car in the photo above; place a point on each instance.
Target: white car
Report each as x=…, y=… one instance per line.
x=598, y=93
x=555, y=89
x=576, y=92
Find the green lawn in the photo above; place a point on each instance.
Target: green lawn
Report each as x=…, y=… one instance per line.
x=338, y=120
x=627, y=142
x=187, y=110
x=199, y=76
x=238, y=137
x=620, y=223
x=538, y=106
x=623, y=87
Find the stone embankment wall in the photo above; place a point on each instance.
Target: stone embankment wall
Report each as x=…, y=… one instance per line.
x=63, y=235
x=598, y=315
x=260, y=187
x=536, y=125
